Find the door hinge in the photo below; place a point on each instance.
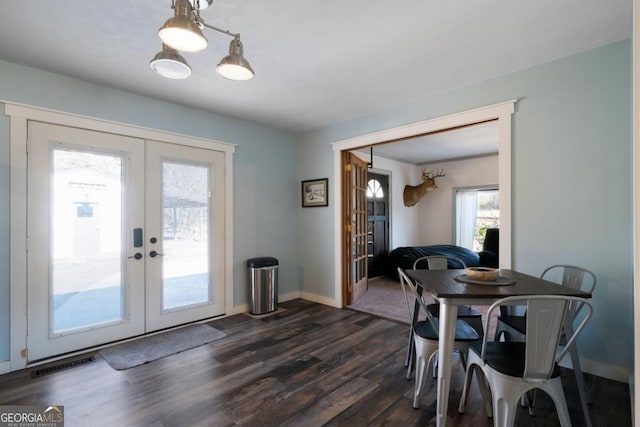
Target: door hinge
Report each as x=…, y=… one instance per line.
x=23, y=353
x=348, y=228
x=347, y=167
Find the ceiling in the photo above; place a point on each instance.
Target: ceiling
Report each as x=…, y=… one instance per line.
x=470, y=141
x=317, y=63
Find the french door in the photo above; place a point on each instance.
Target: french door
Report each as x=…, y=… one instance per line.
x=355, y=234
x=124, y=237
x=184, y=241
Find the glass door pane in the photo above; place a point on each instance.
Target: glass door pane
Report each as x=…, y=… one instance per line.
x=86, y=237
x=185, y=269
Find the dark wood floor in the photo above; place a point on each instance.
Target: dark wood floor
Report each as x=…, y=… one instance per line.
x=309, y=365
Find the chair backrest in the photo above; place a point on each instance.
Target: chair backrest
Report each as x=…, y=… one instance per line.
x=566, y=275
x=439, y=262
x=545, y=319
x=411, y=294
x=574, y=277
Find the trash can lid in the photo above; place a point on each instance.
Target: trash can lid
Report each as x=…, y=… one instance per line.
x=262, y=262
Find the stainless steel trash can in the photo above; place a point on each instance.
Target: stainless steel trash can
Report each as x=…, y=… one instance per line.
x=263, y=278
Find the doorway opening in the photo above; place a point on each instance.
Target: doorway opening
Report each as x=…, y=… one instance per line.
x=501, y=113
x=378, y=222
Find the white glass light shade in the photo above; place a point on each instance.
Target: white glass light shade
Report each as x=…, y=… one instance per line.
x=235, y=72
x=170, y=64
x=234, y=66
x=181, y=33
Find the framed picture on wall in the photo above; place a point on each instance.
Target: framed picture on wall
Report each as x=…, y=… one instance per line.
x=315, y=193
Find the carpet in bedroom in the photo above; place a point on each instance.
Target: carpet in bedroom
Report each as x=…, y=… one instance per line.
x=384, y=298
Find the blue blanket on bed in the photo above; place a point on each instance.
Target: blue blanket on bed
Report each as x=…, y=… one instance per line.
x=405, y=256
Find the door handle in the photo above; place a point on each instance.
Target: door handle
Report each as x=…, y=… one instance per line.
x=137, y=255
x=154, y=254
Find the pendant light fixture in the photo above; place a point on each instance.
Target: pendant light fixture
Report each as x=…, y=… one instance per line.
x=183, y=32
x=234, y=66
x=170, y=64
x=202, y=4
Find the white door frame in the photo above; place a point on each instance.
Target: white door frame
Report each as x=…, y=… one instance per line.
x=502, y=112
x=19, y=115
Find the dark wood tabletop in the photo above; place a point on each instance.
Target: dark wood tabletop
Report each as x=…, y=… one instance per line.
x=443, y=284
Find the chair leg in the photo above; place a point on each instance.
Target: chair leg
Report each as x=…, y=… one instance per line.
x=465, y=388
x=554, y=389
x=421, y=376
x=409, y=348
x=435, y=367
x=423, y=355
x=485, y=392
x=582, y=386
x=463, y=359
x=500, y=331
x=410, y=355
x=410, y=367
x=482, y=385
x=504, y=411
x=506, y=395
x=530, y=401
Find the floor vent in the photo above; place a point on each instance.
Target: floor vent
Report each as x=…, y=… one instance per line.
x=61, y=366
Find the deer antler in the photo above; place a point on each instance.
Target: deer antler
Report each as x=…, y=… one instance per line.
x=412, y=193
x=432, y=174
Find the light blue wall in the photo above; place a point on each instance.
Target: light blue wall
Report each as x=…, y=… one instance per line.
x=265, y=182
x=571, y=178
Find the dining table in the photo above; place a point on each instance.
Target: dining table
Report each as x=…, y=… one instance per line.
x=452, y=288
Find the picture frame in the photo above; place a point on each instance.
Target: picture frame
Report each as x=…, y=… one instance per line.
x=315, y=193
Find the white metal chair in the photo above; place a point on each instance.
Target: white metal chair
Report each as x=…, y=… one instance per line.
x=425, y=335
x=513, y=368
x=442, y=262
x=512, y=327
x=471, y=316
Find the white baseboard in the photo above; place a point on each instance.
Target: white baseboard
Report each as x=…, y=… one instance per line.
x=320, y=299
x=5, y=367
x=238, y=309
x=289, y=296
x=244, y=308
x=599, y=369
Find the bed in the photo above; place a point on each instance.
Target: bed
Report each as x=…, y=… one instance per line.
x=405, y=256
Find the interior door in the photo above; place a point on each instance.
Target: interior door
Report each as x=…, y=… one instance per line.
x=85, y=197
x=355, y=227
x=377, y=224
x=125, y=237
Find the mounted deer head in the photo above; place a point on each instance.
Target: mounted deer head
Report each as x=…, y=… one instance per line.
x=413, y=193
